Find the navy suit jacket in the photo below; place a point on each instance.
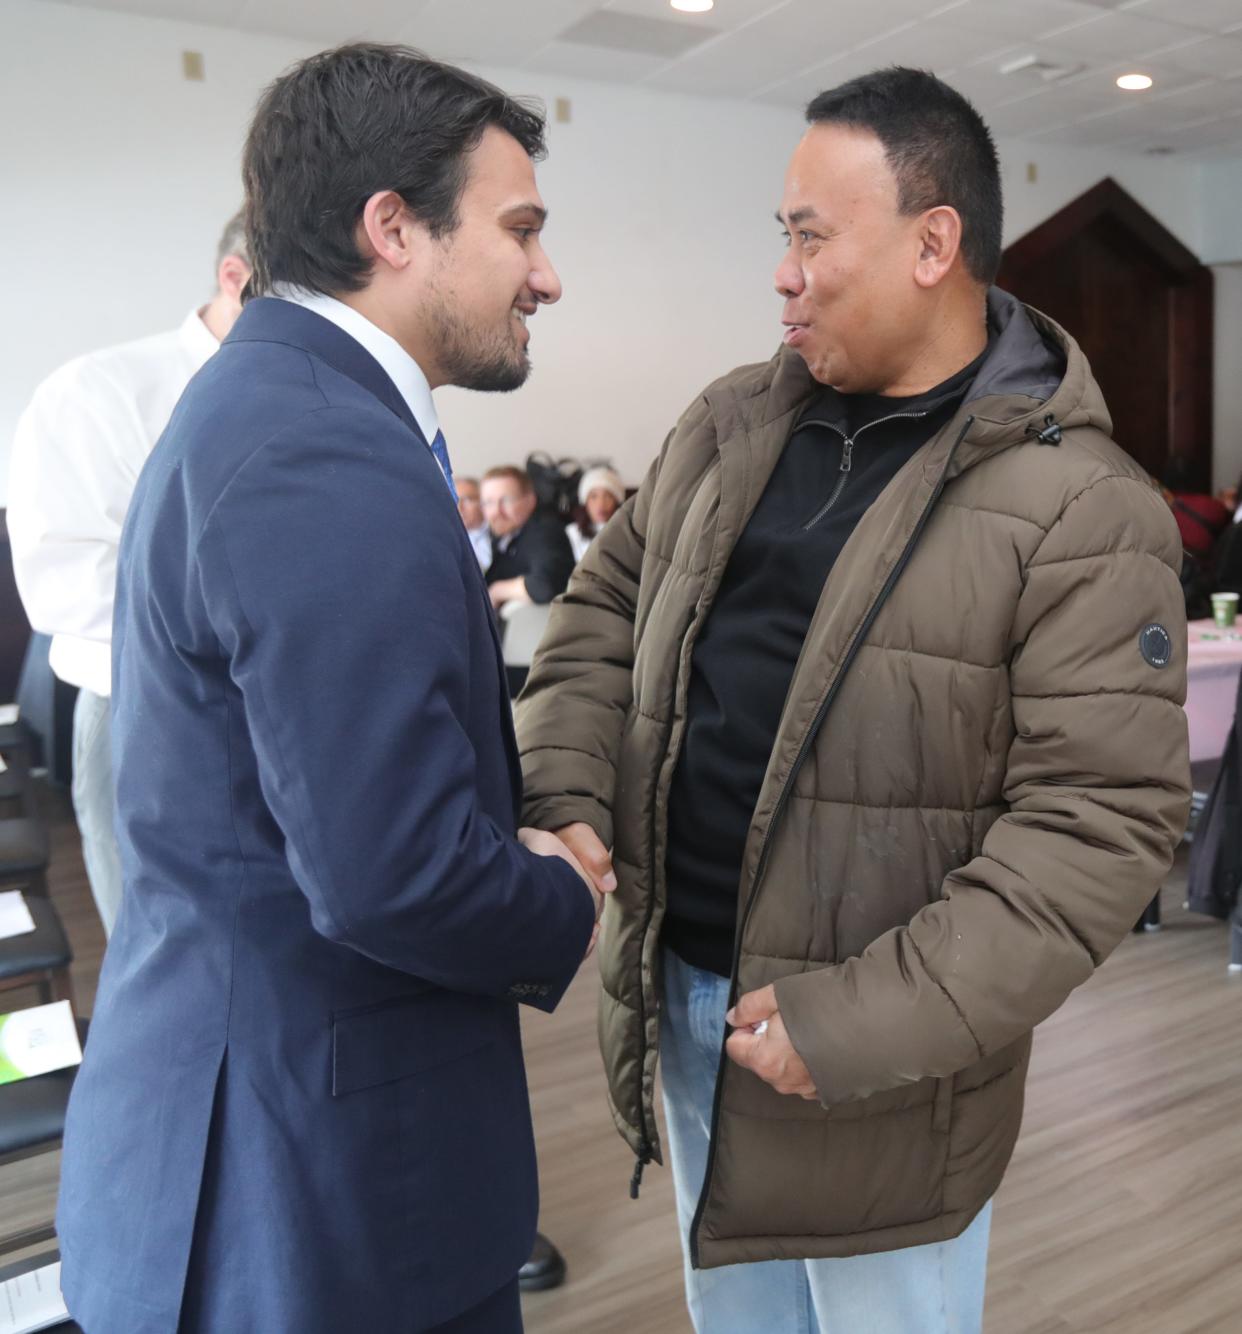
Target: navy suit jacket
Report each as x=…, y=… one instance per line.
x=304, y=1107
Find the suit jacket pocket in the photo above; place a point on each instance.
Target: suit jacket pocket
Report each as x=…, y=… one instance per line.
x=403, y=1037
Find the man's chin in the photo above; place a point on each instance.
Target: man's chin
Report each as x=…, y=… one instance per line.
x=828, y=373
x=495, y=377
x=821, y=372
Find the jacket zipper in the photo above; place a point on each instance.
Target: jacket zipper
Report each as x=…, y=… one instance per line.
x=645, y=1154
x=847, y=457
x=803, y=751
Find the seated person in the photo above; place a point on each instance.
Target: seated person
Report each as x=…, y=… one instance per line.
x=1201, y=518
x=1228, y=497
x=470, y=507
x=601, y=493
x=531, y=557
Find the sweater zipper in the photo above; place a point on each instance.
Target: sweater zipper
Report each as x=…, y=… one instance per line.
x=847, y=457
x=803, y=751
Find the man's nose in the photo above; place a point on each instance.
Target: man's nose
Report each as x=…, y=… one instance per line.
x=544, y=281
x=789, y=282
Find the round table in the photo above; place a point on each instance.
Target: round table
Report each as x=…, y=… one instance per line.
x=1213, y=664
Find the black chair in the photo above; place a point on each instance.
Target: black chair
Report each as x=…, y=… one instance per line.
x=47, y=705
x=17, y=795
x=38, y=959
x=32, y=1121
x=24, y=854
x=16, y=738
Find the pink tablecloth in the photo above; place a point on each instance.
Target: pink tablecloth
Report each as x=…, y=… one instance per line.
x=1213, y=663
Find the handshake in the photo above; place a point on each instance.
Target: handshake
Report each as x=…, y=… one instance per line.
x=580, y=846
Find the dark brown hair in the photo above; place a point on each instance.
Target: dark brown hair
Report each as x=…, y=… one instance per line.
x=346, y=124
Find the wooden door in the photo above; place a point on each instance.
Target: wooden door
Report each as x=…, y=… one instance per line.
x=1140, y=306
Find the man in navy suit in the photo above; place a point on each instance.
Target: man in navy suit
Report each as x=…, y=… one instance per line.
x=303, y=1107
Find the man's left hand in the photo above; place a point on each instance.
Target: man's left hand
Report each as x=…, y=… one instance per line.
x=508, y=590
x=769, y=1054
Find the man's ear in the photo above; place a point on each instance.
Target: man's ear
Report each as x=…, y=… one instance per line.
x=232, y=275
x=940, y=243
x=388, y=233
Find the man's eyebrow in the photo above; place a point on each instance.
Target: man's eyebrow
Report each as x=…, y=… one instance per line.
x=797, y=215
x=526, y=210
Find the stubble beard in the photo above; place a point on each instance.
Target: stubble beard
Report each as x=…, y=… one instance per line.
x=472, y=357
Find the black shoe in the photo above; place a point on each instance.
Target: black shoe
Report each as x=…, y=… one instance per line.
x=544, y=1269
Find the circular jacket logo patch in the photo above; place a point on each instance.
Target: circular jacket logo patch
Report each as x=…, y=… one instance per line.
x=1155, y=645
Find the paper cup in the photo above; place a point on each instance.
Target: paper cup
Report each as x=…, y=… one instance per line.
x=1224, y=609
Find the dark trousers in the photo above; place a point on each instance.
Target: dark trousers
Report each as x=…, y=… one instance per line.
x=501, y=1313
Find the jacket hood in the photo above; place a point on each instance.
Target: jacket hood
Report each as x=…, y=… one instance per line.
x=1033, y=371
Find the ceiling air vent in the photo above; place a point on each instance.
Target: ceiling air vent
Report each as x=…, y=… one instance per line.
x=1031, y=66
x=614, y=31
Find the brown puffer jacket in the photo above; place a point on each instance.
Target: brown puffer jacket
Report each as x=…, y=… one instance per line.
x=978, y=781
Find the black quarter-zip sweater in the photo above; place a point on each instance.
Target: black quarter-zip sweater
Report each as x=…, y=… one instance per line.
x=843, y=452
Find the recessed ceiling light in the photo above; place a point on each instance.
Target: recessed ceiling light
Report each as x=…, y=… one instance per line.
x=692, y=6
x=1134, y=83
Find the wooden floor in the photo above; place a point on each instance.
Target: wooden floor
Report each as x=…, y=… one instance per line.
x=1121, y=1213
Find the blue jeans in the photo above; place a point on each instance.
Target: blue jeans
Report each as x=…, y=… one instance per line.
x=94, y=801
x=934, y=1289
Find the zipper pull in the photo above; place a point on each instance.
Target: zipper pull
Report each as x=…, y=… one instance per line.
x=847, y=454
x=636, y=1180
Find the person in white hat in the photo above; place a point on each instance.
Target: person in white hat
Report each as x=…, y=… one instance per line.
x=601, y=493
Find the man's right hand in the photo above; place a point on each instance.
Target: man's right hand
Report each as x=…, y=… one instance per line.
x=585, y=844
x=545, y=844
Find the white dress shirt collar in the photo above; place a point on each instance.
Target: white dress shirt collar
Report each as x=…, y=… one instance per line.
x=400, y=367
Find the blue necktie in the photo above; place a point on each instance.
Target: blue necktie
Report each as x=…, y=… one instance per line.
x=440, y=450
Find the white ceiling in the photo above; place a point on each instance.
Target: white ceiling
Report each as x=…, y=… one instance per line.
x=785, y=51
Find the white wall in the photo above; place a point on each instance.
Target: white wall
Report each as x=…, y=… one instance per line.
x=1222, y=210
x=116, y=175
x=1166, y=186
x=122, y=174
x=1222, y=247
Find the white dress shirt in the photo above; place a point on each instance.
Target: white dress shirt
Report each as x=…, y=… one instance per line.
x=578, y=543
x=481, y=541
x=77, y=452
x=399, y=366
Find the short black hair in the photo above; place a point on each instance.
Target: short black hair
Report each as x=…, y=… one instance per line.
x=345, y=124
x=938, y=148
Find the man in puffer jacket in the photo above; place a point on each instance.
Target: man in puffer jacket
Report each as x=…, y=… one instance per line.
x=874, y=690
